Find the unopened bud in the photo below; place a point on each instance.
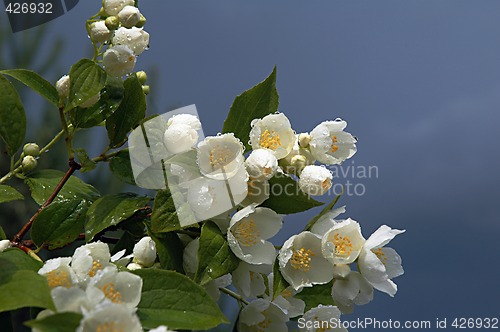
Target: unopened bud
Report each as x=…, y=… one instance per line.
x=142, y=76
x=62, y=87
x=304, y=140
x=4, y=244
x=112, y=22
x=31, y=149
x=28, y=164
x=145, y=89
x=129, y=16
x=142, y=22
x=145, y=252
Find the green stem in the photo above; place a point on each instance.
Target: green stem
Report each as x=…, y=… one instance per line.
x=235, y=295
x=69, y=138
x=105, y=157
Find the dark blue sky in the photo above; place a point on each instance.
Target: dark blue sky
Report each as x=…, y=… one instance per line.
x=418, y=83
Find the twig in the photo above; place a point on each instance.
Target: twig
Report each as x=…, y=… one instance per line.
x=233, y=294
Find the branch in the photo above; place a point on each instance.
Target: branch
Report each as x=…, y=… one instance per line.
x=233, y=294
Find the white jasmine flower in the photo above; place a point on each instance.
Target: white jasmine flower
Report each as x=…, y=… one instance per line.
x=301, y=262
x=258, y=192
x=62, y=87
x=4, y=244
x=343, y=242
x=315, y=180
x=58, y=272
x=89, y=259
x=285, y=300
x=327, y=221
x=330, y=144
x=261, y=164
x=99, y=32
x=212, y=287
x=113, y=7
x=117, y=287
x=161, y=328
x=118, y=60
x=72, y=299
x=379, y=264
x=180, y=138
x=136, y=39
x=341, y=271
x=273, y=132
x=129, y=16
x=91, y=101
x=323, y=318
x=262, y=315
x=208, y=198
x=248, y=279
x=110, y=317
x=145, y=252
x=186, y=119
x=220, y=157
x=248, y=231
x=354, y=289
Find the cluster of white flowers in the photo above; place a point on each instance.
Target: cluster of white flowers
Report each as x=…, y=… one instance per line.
x=91, y=284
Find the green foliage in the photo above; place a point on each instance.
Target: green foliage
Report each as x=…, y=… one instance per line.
x=36, y=82
x=325, y=210
x=286, y=197
x=256, y=102
x=12, y=117
x=86, y=80
x=120, y=166
x=172, y=299
x=316, y=295
x=20, y=284
x=7, y=194
x=59, y=223
x=129, y=114
x=2, y=234
x=60, y=322
x=43, y=183
x=85, y=161
x=110, y=210
x=169, y=249
x=279, y=283
x=215, y=258
x=164, y=216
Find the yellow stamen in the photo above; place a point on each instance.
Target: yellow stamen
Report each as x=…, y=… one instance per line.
x=334, y=147
x=96, y=266
x=380, y=254
x=286, y=293
x=343, y=245
x=110, y=327
x=111, y=293
x=326, y=183
x=262, y=326
x=301, y=259
x=270, y=140
x=219, y=157
x=246, y=232
x=58, y=278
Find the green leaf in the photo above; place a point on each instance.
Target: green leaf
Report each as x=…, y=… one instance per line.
x=86, y=80
x=86, y=163
x=286, y=197
x=316, y=295
x=43, y=183
x=111, y=97
x=36, y=82
x=169, y=249
x=172, y=299
x=215, y=258
x=59, y=223
x=325, y=210
x=279, y=283
x=110, y=210
x=60, y=322
x=120, y=166
x=257, y=102
x=2, y=234
x=12, y=117
x=20, y=285
x=7, y=194
x=129, y=114
x=164, y=216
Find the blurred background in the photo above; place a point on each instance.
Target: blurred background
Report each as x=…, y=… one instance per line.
x=418, y=83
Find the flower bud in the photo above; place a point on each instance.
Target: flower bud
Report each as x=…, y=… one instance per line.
x=112, y=23
x=113, y=7
x=261, y=164
x=145, y=252
x=129, y=16
x=134, y=266
x=141, y=23
x=28, y=164
x=4, y=244
x=31, y=149
x=142, y=76
x=145, y=89
x=179, y=138
x=304, y=140
x=315, y=180
x=91, y=101
x=99, y=32
x=62, y=87
x=187, y=119
x=118, y=60
x=136, y=39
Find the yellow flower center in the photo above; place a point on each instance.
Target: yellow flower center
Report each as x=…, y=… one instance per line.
x=58, y=278
x=380, y=254
x=323, y=325
x=334, y=146
x=246, y=232
x=266, y=323
x=343, y=245
x=270, y=140
x=286, y=293
x=96, y=266
x=111, y=293
x=301, y=259
x=219, y=157
x=110, y=327
x=326, y=183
